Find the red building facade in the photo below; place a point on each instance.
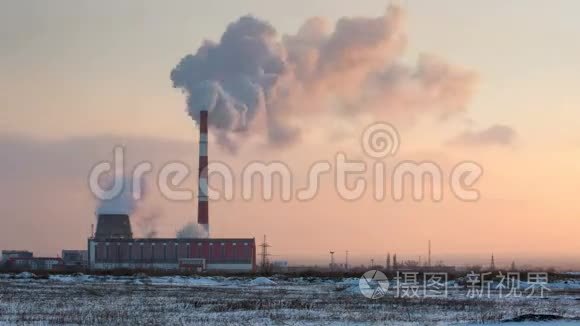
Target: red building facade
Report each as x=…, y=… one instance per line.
x=236, y=255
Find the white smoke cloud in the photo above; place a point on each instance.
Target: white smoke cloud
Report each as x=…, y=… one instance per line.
x=123, y=202
x=495, y=135
x=232, y=78
x=131, y=200
x=193, y=231
x=252, y=80
x=147, y=221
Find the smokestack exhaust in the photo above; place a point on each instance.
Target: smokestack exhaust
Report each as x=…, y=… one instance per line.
x=202, y=200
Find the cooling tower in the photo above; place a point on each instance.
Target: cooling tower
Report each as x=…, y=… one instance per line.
x=113, y=226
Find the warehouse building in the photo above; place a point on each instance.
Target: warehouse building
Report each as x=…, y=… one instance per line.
x=7, y=254
x=34, y=263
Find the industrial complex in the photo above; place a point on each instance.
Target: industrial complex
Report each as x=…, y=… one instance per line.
x=113, y=247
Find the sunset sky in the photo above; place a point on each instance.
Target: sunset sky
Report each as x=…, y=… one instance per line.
x=79, y=77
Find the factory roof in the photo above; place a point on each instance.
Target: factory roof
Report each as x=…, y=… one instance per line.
x=173, y=239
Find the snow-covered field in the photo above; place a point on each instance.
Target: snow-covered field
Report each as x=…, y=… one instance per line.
x=85, y=299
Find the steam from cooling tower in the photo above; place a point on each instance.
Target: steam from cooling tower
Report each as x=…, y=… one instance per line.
x=254, y=82
x=129, y=198
x=121, y=199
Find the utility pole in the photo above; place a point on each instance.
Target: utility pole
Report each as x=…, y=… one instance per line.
x=265, y=254
x=429, y=258
x=331, y=261
x=346, y=261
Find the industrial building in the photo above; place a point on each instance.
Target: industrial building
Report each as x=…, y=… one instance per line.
x=75, y=258
x=236, y=255
x=25, y=260
x=113, y=246
x=34, y=263
x=7, y=254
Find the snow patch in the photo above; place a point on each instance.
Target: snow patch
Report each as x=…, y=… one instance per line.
x=262, y=281
x=25, y=275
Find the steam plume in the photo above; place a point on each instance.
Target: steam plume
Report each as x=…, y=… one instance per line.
x=252, y=80
x=192, y=231
x=495, y=135
x=147, y=222
x=123, y=202
x=130, y=201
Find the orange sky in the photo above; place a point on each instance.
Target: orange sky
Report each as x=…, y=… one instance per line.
x=79, y=80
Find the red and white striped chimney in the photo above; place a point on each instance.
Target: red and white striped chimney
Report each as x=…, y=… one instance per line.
x=202, y=200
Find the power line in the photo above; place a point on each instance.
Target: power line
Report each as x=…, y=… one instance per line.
x=265, y=245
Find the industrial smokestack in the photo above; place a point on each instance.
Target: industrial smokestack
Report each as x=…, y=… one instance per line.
x=202, y=201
